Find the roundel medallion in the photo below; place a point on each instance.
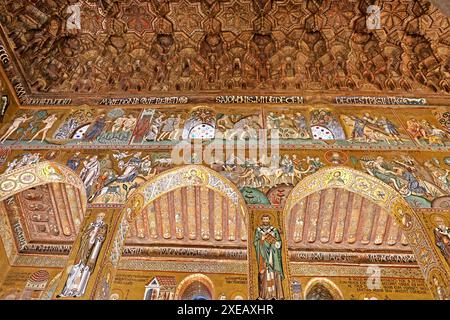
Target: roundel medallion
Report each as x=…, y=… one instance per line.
x=8, y=185
x=27, y=178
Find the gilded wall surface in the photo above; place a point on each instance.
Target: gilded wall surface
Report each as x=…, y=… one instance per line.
x=355, y=288
x=401, y=148
x=37, y=283
x=4, y=265
x=164, y=150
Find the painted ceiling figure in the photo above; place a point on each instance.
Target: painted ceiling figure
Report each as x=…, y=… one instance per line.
x=268, y=250
x=4, y=103
x=325, y=126
x=22, y=161
x=90, y=246
x=74, y=161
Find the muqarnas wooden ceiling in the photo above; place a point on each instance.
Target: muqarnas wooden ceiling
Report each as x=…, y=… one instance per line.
x=227, y=46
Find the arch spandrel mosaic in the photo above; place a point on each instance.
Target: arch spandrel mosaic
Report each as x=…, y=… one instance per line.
x=117, y=126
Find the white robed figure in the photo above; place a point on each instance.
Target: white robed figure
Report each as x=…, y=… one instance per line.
x=86, y=259
x=90, y=173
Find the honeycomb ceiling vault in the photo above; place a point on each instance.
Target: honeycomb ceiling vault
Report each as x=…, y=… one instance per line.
x=138, y=47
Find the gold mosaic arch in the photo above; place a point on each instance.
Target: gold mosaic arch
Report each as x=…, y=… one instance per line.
x=190, y=175
x=51, y=287
x=184, y=284
x=386, y=197
x=350, y=180
x=39, y=174
x=200, y=107
x=330, y=285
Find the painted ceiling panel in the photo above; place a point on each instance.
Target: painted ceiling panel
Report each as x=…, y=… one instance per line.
x=208, y=46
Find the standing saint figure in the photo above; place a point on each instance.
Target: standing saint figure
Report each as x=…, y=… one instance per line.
x=91, y=243
x=267, y=244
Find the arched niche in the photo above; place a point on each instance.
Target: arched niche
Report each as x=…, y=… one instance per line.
x=195, y=287
x=41, y=173
x=48, y=199
x=335, y=218
x=191, y=176
x=322, y=289
x=190, y=215
x=389, y=201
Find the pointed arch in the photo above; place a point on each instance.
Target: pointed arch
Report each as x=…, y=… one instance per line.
x=384, y=196
x=325, y=284
x=190, y=280
x=39, y=179
x=51, y=287
x=39, y=174
x=185, y=176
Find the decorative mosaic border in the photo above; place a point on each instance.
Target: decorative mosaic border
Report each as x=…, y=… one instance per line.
x=203, y=267
x=38, y=174
x=313, y=270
